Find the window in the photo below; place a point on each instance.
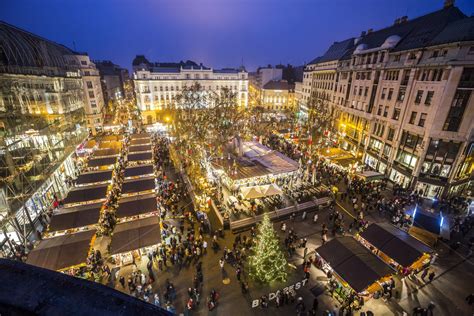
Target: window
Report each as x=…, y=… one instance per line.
x=87, y=73
x=429, y=97
x=391, y=134
x=93, y=104
x=456, y=112
x=434, y=54
x=385, y=112
x=419, y=95
x=422, y=120
x=401, y=94
x=384, y=91
x=89, y=84
x=396, y=114
x=83, y=62
x=411, y=56
x=412, y=117
x=471, y=50
x=366, y=92
x=91, y=94
x=390, y=93
x=379, y=111
x=396, y=58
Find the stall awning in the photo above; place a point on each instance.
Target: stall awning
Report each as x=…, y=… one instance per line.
x=271, y=189
x=252, y=192
x=395, y=243
x=61, y=252
x=140, y=141
x=75, y=217
x=138, y=171
x=141, y=135
x=370, y=175
x=106, y=152
x=354, y=263
x=110, y=138
x=135, y=235
x=84, y=194
x=98, y=162
x=144, y=184
x=93, y=177
x=111, y=144
x=140, y=156
x=138, y=148
x=136, y=205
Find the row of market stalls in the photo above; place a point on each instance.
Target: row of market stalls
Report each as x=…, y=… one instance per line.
x=138, y=228
x=361, y=266
x=72, y=228
x=71, y=233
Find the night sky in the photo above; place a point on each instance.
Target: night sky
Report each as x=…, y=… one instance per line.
x=218, y=33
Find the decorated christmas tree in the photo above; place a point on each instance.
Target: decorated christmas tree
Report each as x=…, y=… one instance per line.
x=267, y=262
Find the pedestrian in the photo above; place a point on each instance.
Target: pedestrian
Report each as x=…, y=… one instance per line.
x=315, y=218
x=324, y=238
x=221, y=263
x=283, y=227
x=303, y=217
x=238, y=272
x=431, y=276
x=424, y=274
x=122, y=281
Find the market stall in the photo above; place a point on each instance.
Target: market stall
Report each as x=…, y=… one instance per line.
x=63, y=252
x=428, y=226
x=140, y=135
x=138, y=171
x=140, y=141
x=94, y=177
x=101, y=162
x=138, y=185
x=140, y=157
x=110, y=138
x=71, y=218
x=131, y=240
x=139, y=148
x=136, y=205
x=110, y=144
x=105, y=152
x=86, y=195
x=356, y=270
x=396, y=246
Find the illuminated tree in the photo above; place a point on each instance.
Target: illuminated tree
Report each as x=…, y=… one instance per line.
x=267, y=262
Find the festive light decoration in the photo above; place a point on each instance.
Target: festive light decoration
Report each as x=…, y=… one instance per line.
x=267, y=263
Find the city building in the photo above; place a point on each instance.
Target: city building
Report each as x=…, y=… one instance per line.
x=113, y=79
x=278, y=95
x=401, y=100
x=43, y=116
x=158, y=84
x=264, y=75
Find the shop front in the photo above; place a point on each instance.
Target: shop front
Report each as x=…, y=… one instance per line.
x=428, y=190
x=400, y=178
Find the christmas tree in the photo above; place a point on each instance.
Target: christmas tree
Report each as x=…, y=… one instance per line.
x=267, y=262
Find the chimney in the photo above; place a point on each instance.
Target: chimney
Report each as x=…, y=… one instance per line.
x=370, y=31
x=448, y=3
x=362, y=34
x=403, y=19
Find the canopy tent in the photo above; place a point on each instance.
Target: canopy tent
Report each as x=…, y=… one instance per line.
x=395, y=243
x=370, y=175
x=104, y=152
x=143, y=184
x=354, y=263
x=272, y=160
x=90, y=144
x=84, y=194
x=138, y=171
x=141, y=135
x=99, y=162
x=136, y=205
x=252, y=192
x=271, y=189
x=140, y=156
x=138, y=148
x=140, y=141
x=75, y=217
x=61, y=252
x=94, y=177
x=135, y=235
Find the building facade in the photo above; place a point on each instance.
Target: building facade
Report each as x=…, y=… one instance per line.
x=401, y=100
x=43, y=117
x=113, y=79
x=158, y=84
x=278, y=96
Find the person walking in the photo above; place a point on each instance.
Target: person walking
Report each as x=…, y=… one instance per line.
x=221, y=263
x=238, y=272
x=431, y=276
x=303, y=217
x=315, y=218
x=424, y=274
x=122, y=281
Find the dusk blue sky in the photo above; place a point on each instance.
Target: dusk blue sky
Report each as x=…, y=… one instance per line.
x=218, y=33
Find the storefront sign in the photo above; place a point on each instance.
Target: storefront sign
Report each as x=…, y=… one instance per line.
x=272, y=296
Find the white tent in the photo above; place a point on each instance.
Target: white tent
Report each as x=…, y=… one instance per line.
x=272, y=189
x=252, y=192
